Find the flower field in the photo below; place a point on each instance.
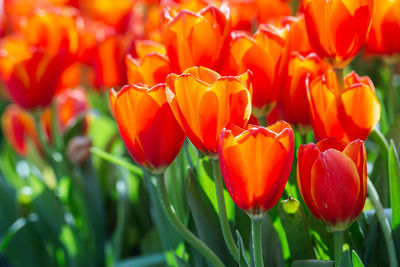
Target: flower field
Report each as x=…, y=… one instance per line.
x=199, y=133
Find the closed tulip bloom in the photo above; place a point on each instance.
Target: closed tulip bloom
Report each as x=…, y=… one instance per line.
x=19, y=129
x=71, y=105
x=203, y=102
x=332, y=178
x=30, y=74
x=347, y=114
x=337, y=29
x=147, y=125
x=293, y=102
x=255, y=164
x=261, y=54
x=383, y=36
x=152, y=69
x=197, y=39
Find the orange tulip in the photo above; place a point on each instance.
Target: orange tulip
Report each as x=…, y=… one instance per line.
x=32, y=64
x=271, y=9
x=385, y=29
x=70, y=106
x=114, y=13
x=337, y=29
x=296, y=35
x=255, y=163
x=293, y=102
x=203, y=102
x=145, y=47
x=334, y=112
x=151, y=69
x=147, y=125
x=19, y=129
x=197, y=39
x=260, y=54
x=332, y=178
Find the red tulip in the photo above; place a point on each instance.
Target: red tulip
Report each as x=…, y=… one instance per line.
x=383, y=36
x=332, y=178
x=347, y=114
x=203, y=102
x=19, y=129
x=337, y=29
x=293, y=102
x=147, y=125
x=255, y=163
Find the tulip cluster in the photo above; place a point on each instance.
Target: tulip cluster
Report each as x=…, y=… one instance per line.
x=242, y=80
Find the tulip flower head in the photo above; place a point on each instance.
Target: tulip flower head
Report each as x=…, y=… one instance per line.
x=337, y=29
x=334, y=112
x=203, y=102
x=383, y=36
x=197, y=39
x=255, y=164
x=147, y=125
x=332, y=178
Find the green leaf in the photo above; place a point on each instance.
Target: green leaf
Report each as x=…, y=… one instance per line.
x=150, y=260
x=394, y=183
x=346, y=260
x=206, y=219
x=243, y=260
x=118, y=160
x=293, y=220
x=271, y=243
x=312, y=263
x=356, y=259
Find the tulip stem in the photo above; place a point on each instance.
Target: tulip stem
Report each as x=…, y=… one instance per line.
x=381, y=141
x=223, y=218
x=180, y=227
x=338, y=241
x=384, y=222
x=340, y=77
x=256, y=240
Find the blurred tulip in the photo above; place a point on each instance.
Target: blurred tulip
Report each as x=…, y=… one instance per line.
x=114, y=13
x=203, y=102
x=70, y=105
x=197, y=39
x=271, y=9
x=147, y=125
x=383, y=36
x=19, y=129
x=332, y=178
x=293, y=103
x=71, y=77
x=337, y=29
x=347, y=114
x=31, y=75
x=260, y=54
x=151, y=69
x=255, y=163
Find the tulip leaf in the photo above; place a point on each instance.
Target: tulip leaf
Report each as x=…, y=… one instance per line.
x=312, y=263
x=150, y=260
x=294, y=222
x=243, y=260
x=206, y=219
x=356, y=259
x=346, y=260
x=394, y=183
x=271, y=242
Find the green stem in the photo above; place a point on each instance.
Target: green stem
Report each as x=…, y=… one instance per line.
x=256, y=242
x=384, y=222
x=42, y=140
x=223, y=218
x=55, y=129
x=340, y=78
x=338, y=242
x=180, y=227
x=392, y=96
x=381, y=141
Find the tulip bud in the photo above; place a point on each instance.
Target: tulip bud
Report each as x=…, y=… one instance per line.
x=78, y=149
